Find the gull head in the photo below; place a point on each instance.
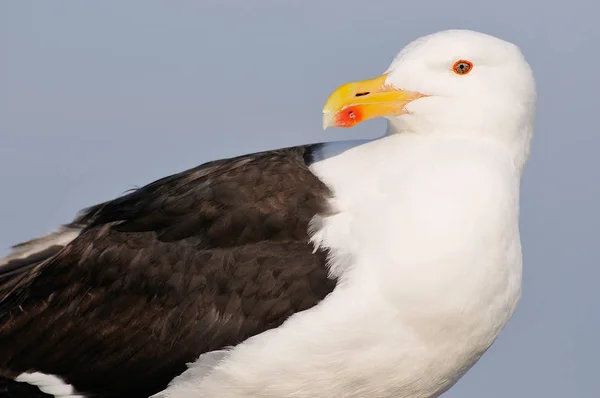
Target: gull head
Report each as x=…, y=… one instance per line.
x=456, y=82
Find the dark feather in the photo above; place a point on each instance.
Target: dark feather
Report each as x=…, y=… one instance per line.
x=191, y=263
x=12, y=389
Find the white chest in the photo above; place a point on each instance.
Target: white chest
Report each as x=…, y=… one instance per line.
x=431, y=232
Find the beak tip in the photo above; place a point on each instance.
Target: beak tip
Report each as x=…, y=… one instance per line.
x=327, y=118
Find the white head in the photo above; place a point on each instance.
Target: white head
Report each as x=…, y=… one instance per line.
x=452, y=82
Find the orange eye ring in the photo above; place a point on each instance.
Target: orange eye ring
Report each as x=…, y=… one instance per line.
x=462, y=67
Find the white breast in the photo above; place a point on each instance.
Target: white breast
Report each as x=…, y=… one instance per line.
x=425, y=242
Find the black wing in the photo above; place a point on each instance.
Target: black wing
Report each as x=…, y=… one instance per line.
x=188, y=264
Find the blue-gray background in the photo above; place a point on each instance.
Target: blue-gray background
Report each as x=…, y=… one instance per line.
x=98, y=97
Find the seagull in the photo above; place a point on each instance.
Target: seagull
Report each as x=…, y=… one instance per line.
x=371, y=268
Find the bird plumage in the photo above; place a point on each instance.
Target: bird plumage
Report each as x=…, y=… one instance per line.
x=380, y=268
x=188, y=264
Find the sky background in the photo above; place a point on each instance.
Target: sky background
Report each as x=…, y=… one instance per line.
x=97, y=97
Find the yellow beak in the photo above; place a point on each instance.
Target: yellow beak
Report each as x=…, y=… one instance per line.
x=356, y=102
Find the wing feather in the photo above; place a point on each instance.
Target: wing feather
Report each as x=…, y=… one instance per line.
x=189, y=264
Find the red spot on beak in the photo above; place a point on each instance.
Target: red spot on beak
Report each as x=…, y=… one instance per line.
x=349, y=117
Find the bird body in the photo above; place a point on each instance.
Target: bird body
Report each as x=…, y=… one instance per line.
x=378, y=268
x=403, y=321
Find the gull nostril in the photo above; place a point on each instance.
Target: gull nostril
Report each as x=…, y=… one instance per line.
x=362, y=94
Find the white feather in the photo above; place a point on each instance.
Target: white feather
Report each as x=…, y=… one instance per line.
x=61, y=237
x=200, y=368
x=49, y=384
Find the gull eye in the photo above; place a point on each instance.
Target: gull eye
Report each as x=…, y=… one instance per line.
x=462, y=67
